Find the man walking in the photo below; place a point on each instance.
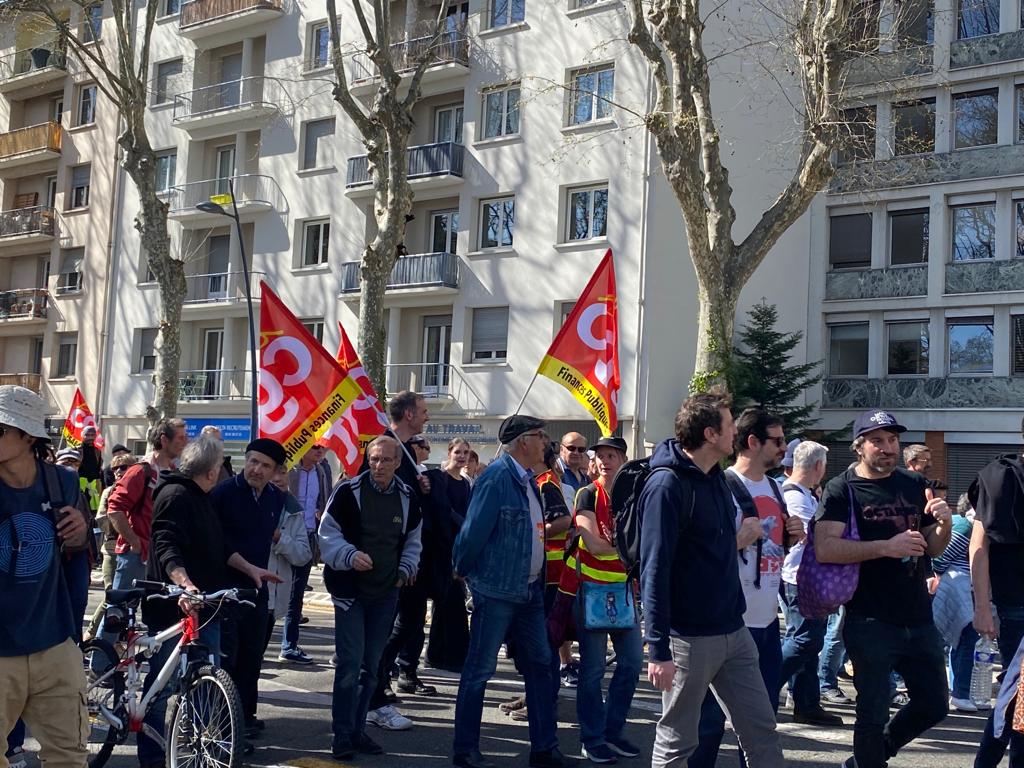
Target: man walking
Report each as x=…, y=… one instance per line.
x=500, y=553
x=692, y=595
x=888, y=621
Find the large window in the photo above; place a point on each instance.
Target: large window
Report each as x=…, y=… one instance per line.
x=587, y=213
x=501, y=112
x=976, y=118
x=80, y=183
x=316, y=236
x=849, y=241
x=848, y=349
x=490, y=335
x=505, y=12
x=166, y=169
x=914, y=127
x=915, y=22
x=591, y=92
x=497, y=222
x=67, y=354
x=316, y=145
x=974, y=232
x=319, y=46
x=168, y=81
x=857, y=141
x=86, y=114
x=908, y=232
x=970, y=345
x=976, y=18
x=907, y=348
x=70, y=278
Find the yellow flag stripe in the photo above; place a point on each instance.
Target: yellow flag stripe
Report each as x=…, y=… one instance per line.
x=585, y=392
x=320, y=419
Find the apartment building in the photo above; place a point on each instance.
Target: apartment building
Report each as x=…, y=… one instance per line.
x=57, y=175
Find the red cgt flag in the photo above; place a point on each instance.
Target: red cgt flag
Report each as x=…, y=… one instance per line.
x=363, y=421
x=79, y=417
x=302, y=388
x=584, y=357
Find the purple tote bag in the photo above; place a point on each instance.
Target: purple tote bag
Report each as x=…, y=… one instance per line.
x=822, y=587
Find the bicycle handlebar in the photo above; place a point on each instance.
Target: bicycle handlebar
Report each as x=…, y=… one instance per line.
x=160, y=591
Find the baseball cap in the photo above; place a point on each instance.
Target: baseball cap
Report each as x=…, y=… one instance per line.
x=23, y=409
x=787, y=460
x=69, y=453
x=869, y=421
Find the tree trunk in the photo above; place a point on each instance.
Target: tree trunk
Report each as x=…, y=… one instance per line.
x=716, y=313
x=374, y=273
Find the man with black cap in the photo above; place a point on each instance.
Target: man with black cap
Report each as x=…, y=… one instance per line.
x=500, y=554
x=889, y=618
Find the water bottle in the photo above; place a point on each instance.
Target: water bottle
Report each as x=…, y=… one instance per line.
x=985, y=654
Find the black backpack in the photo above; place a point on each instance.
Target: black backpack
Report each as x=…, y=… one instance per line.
x=624, y=496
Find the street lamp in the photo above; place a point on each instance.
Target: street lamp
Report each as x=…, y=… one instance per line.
x=215, y=205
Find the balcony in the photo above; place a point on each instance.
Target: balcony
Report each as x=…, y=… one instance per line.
x=924, y=393
x=32, y=67
x=213, y=385
x=33, y=381
x=22, y=150
x=207, y=18
x=216, y=289
x=441, y=382
x=26, y=227
x=422, y=270
x=23, y=306
x=431, y=166
x=254, y=194
x=208, y=110
x=450, y=61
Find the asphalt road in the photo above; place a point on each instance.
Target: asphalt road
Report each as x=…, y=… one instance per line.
x=295, y=703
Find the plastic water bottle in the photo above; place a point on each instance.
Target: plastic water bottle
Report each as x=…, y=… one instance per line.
x=985, y=654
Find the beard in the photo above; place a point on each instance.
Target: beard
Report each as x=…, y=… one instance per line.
x=882, y=463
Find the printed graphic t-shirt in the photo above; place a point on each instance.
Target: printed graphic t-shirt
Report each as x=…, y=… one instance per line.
x=763, y=601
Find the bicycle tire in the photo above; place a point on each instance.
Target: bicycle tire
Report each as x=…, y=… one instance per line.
x=209, y=700
x=98, y=656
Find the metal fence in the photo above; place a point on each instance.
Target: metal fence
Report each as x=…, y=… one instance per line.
x=442, y=159
x=38, y=220
x=417, y=270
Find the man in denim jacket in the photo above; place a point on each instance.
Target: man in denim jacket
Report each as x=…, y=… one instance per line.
x=500, y=553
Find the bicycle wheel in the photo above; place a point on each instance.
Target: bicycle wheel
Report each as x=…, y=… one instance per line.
x=104, y=689
x=204, y=722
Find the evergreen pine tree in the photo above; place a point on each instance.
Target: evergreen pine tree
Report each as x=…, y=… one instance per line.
x=761, y=374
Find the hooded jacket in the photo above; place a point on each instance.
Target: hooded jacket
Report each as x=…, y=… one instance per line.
x=291, y=549
x=688, y=567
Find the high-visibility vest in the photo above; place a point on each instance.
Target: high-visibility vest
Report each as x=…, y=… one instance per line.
x=91, y=491
x=554, y=543
x=603, y=569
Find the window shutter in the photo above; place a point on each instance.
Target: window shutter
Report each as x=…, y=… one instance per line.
x=490, y=330
x=80, y=176
x=1018, y=344
x=72, y=261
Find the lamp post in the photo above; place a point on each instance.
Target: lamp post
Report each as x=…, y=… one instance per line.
x=215, y=205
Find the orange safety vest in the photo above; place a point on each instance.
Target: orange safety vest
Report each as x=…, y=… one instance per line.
x=554, y=544
x=603, y=569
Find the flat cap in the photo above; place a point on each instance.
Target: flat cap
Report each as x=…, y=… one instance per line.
x=514, y=426
x=610, y=442
x=269, y=448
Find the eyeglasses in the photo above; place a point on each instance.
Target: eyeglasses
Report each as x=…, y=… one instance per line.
x=424, y=446
x=575, y=448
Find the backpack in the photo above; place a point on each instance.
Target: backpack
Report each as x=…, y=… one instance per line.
x=821, y=588
x=742, y=495
x=624, y=496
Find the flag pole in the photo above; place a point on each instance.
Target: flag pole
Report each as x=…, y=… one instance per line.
x=519, y=407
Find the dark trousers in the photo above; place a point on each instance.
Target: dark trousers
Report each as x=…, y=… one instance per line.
x=300, y=578
x=991, y=749
x=876, y=650
x=243, y=640
x=804, y=641
x=406, y=640
x=449, y=630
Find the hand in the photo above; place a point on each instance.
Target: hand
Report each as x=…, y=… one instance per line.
x=277, y=535
x=750, y=531
x=906, y=544
x=71, y=527
x=795, y=529
x=262, y=575
x=662, y=673
x=937, y=507
x=933, y=584
x=424, y=482
x=984, y=622
x=185, y=603
x=362, y=562
x=135, y=545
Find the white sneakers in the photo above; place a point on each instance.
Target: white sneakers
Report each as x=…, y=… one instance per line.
x=388, y=718
x=963, y=705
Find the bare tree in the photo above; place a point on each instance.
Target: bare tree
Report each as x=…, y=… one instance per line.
x=121, y=71
x=384, y=127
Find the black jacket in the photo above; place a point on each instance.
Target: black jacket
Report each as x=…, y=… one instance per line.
x=997, y=495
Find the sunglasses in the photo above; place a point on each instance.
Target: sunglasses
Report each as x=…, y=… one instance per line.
x=779, y=441
x=575, y=448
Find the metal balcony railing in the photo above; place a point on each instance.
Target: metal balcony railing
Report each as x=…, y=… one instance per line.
x=425, y=160
x=30, y=139
x=233, y=94
x=201, y=11
x=22, y=303
x=419, y=270
x=39, y=57
x=250, y=189
x=435, y=380
x=450, y=48
x=38, y=220
x=218, y=287
x=215, y=384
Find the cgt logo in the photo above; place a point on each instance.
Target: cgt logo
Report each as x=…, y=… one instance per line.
x=301, y=364
x=599, y=310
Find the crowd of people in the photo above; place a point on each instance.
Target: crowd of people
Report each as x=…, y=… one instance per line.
x=525, y=554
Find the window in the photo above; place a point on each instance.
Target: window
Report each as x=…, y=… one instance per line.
x=864, y=25
x=970, y=345
x=908, y=348
x=505, y=12
x=448, y=124
x=1020, y=112
x=914, y=123
x=36, y=360
x=849, y=241
x=974, y=232
x=67, y=353
x=168, y=81
x=587, y=213
x=490, y=335
x=70, y=278
x=146, y=360
x=1019, y=205
x=915, y=22
x=319, y=55
x=51, y=191
x=316, y=147
x=92, y=22
x=501, y=112
x=848, y=350
x=591, y=92
x=858, y=141
x=565, y=308
x=497, y=222
x=316, y=237
x=976, y=118
x=1017, y=356
x=86, y=105
x=976, y=18
x=166, y=168
x=908, y=237
x=172, y=7
x=316, y=327
x=80, y=176
x=57, y=109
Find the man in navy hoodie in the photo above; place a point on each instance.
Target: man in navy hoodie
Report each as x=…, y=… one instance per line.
x=692, y=596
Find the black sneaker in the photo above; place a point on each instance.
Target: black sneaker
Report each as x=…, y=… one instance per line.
x=342, y=749
x=411, y=683
x=551, y=758
x=368, y=746
x=623, y=747
x=569, y=675
x=817, y=717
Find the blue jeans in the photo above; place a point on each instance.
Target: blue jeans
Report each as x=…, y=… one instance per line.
x=804, y=641
x=359, y=636
x=833, y=652
x=961, y=663
x=492, y=620
x=991, y=749
x=877, y=649
x=711, y=728
x=599, y=719
x=300, y=578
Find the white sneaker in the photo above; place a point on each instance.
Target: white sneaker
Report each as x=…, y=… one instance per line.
x=388, y=718
x=963, y=705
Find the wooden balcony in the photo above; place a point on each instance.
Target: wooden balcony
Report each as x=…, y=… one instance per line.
x=206, y=18
x=33, y=381
x=22, y=150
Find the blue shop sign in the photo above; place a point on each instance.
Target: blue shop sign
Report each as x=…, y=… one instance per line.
x=233, y=430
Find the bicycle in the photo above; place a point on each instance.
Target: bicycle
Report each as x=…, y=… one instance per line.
x=204, y=716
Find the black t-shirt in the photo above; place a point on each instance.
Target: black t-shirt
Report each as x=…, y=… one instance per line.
x=889, y=589
x=1001, y=510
